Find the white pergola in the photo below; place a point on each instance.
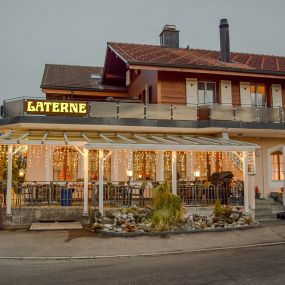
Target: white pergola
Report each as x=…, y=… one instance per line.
x=84, y=141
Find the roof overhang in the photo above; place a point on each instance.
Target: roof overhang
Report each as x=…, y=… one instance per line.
x=207, y=70
x=126, y=141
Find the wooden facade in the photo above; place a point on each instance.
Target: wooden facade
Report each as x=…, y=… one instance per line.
x=170, y=87
x=84, y=95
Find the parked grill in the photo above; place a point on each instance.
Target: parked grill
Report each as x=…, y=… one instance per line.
x=221, y=178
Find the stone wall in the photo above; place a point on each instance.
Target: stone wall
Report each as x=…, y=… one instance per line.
x=28, y=215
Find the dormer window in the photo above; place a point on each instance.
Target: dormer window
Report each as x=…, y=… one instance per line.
x=95, y=76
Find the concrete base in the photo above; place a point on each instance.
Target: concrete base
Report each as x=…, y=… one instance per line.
x=203, y=211
x=8, y=220
x=29, y=215
x=86, y=219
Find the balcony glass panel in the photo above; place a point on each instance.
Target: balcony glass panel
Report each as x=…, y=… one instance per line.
x=182, y=112
x=158, y=111
x=271, y=115
x=103, y=110
x=246, y=114
x=131, y=110
x=222, y=112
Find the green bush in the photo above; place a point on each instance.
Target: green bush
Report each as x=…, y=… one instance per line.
x=168, y=209
x=218, y=209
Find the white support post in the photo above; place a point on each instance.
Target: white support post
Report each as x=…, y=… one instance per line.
x=101, y=177
x=174, y=173
x=252, y=194
x=115, y=166
x=245, y=182
x=85, y=179
x=9, y=181
x=160, y=166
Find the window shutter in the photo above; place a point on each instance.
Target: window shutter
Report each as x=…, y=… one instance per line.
x=128, y=77
x=226, y=92
x=245, y=94
x=276, y=95
x=192, y=91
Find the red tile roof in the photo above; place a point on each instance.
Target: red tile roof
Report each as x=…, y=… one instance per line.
x=70, y=76
x=74, y=77
x=175, y=57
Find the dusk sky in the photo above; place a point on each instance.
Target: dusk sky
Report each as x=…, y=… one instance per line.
x=35, y=32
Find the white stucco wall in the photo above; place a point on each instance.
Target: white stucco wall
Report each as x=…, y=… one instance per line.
x=263, y=163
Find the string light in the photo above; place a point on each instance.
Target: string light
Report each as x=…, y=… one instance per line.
x=64, y=162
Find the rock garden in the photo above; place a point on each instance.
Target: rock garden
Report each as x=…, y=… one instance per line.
x=169, y=215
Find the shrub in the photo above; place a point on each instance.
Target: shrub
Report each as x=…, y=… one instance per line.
x=228, y=211
x=218, y=209
x=168, y=210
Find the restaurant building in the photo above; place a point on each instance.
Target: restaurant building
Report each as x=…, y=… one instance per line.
x=209, y=122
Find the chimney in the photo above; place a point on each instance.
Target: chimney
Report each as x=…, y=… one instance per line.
x=169, y=37
x=224, y=40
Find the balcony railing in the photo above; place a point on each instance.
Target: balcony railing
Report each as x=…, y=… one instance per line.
x=119, y=110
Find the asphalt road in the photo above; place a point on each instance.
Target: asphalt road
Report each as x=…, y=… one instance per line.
x=262, y=265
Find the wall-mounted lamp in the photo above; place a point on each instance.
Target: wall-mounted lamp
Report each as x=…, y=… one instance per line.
x=21, y=172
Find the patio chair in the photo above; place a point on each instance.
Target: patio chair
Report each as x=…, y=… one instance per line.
x=139, y=194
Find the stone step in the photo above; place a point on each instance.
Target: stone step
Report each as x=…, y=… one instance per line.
x=264, y=201
x=266, y=205
x=263, y=210
x=278, y=209
x=265, y=217
x=56, y=226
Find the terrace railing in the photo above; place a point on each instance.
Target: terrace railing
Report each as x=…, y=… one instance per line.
x=256, y=114
x=50, y=193
x=198, y=194
x=187, y=112
x=123, y=194
x=119, y=194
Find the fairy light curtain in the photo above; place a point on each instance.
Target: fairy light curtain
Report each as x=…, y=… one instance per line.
x=65, y=164
x=19, y=162
x=93, y=168
x=144, y=165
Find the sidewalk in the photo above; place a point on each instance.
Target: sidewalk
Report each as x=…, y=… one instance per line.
x=22, y=243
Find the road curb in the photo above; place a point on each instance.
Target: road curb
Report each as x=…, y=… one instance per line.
x=176, y=232
x=139, y=254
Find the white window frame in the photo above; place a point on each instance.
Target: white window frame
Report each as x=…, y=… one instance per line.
x=273, y=183
x=214, y=96
x=255, y=95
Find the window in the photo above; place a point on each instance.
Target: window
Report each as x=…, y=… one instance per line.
x=93, y=168
x=65, y=164
x=258, y=95
x=206, y=93
x=144, y=165
x=277, y=166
